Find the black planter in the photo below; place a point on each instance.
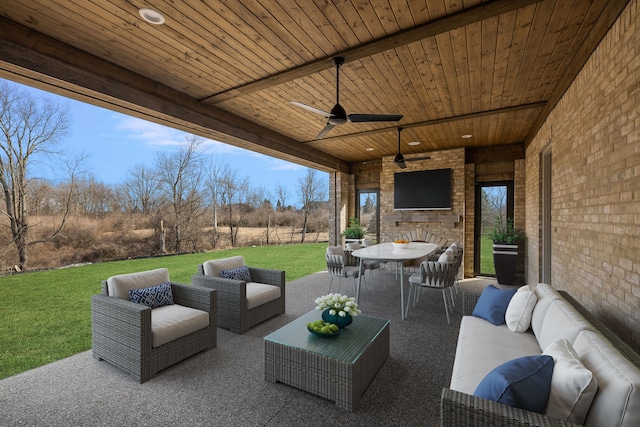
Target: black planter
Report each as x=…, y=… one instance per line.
x=505, y=260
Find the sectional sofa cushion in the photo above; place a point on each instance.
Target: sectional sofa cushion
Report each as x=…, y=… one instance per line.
x=573, y=386
x=523, y=383
x=561, y=320
x=617, y=402
x=482, y=346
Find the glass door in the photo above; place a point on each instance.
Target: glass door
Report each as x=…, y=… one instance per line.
x=368, y=212
x=493, y=200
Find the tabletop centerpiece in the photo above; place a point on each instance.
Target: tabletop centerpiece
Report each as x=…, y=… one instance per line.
x=337, y=309
x=400, y=243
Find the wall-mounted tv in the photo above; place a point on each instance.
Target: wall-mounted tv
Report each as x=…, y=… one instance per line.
x=422, y=190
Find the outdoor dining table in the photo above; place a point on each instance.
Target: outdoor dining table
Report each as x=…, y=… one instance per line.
x=386, y=252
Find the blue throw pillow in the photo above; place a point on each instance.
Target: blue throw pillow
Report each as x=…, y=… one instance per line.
x=154, y=297
x=492, y=304
x=240, y=273
x=523, y=383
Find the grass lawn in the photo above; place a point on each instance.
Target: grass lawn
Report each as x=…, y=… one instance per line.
x=486, y=256
x=46, y=316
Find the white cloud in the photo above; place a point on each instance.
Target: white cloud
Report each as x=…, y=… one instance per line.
x=152, y=134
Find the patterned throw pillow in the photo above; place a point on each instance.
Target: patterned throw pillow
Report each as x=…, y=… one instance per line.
x=240, y=273
x=154, y=297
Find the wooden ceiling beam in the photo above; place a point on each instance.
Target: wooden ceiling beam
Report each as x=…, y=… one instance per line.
x=480, y=114
x=32, y=58
x=429, y=29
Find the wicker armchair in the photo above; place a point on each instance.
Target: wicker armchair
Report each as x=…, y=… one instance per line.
x=234, y=310
x=122, y=330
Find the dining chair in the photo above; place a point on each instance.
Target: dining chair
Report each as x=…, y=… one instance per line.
x=368, y=264
x=337, y=266
x=434, y=275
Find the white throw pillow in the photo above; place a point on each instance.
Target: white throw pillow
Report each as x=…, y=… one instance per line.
x=519, y=311
x=447, y=256
x=573, y=387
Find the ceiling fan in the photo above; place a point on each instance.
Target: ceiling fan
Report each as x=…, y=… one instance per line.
x=399, y=158
x=338, y=115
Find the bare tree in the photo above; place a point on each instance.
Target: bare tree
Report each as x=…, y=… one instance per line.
x=215, y=171
x=141, y=189
x=233, y=194
x=30, y=129
x=281, y=196
x=179, y=176
x=310, y=189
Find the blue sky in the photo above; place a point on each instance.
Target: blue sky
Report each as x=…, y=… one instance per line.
x=114, y=143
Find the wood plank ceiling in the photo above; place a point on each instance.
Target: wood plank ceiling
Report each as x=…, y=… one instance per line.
x=229, y=69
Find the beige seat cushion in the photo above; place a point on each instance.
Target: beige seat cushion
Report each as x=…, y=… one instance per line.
x=174, y=321
x=259, y=293
x=482, y=347
x=119, y=286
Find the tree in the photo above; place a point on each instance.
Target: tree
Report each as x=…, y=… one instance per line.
x=233, y=194
x=281, y=195
x=310, y=189
x=179, y=177
x=30, y=129
x=141, y=189
x=215, y=171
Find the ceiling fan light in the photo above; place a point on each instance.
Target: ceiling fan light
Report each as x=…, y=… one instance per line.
x=338, y=115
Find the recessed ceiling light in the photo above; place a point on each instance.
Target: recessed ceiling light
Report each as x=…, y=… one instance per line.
x=151, y=16
x=467, y=136
x=415, y=143
x=369, y=149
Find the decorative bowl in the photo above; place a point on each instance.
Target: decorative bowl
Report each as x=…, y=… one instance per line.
x=320, y=334
x=400, y=245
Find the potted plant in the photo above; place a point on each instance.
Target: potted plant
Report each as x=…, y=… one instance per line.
x=354, y=232
x=506, y=239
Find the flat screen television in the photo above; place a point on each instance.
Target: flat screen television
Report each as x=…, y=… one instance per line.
x=422, y=190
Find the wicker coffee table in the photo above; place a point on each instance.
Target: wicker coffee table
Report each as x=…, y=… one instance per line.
x=339, y=368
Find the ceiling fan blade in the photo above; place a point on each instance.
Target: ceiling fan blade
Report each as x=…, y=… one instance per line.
x=312, y=109
x=325, y=130
x=355, y=118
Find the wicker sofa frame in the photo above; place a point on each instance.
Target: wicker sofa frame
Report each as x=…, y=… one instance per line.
x=460, y=409
x=232, y=298
x=121, y=332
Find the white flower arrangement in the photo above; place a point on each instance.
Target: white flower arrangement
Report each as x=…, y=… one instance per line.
x=338, y=304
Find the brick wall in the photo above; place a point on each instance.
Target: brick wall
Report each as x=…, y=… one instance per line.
x=594, y=133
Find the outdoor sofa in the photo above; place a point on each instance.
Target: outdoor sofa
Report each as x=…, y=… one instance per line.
x=607, y=396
